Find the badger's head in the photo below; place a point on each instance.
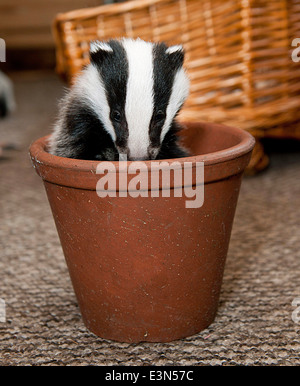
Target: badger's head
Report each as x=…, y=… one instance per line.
x=136, y=88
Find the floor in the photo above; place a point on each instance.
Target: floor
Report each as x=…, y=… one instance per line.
x=258, y=322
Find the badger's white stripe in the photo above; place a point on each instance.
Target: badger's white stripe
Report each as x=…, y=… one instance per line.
x=97, y=46
x=90, y=87
x=180, y=92
x=139, y=98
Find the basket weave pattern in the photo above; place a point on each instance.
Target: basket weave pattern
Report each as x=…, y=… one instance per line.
x=238, y=54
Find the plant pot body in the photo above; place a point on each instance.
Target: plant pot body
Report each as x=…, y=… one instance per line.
x=147, y=268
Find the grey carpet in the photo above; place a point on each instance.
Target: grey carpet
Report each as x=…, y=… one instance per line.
x=43, y=326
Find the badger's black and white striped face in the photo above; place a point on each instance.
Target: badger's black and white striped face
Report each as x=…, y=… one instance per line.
x=136, y=88
x=124, y=103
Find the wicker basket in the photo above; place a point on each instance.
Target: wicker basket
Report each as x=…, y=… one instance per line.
x=238, y=56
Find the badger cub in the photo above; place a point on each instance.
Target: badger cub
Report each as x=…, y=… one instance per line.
x=124, y=104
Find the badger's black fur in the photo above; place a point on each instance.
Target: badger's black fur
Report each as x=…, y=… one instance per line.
x=124, y=103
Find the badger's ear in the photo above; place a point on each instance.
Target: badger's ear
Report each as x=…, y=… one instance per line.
x=176, y=55
x=99, y=50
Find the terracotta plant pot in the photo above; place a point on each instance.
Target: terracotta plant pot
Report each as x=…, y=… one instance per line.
x=147, y=268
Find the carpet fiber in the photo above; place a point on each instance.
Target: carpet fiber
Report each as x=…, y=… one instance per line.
x=256, y=322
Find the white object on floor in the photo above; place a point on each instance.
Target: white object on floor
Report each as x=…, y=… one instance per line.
x=7, y=99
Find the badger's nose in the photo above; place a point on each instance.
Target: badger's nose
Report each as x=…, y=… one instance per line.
x=138, y=158
x=151, y=155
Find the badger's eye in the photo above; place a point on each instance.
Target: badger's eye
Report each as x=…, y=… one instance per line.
x=160, y=115
x=116, y=116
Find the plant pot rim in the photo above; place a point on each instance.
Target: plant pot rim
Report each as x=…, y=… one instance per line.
x=54, y=168
x=38, y=151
